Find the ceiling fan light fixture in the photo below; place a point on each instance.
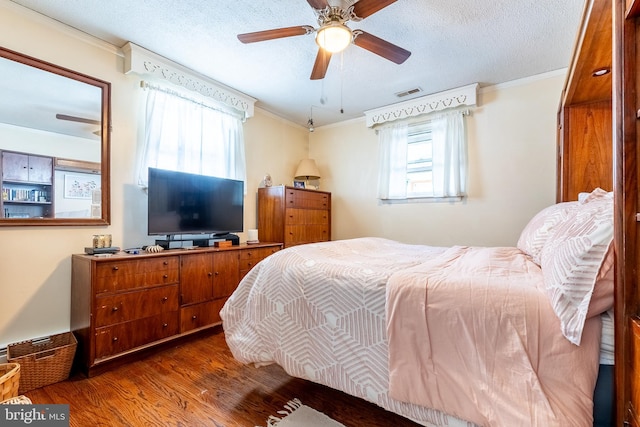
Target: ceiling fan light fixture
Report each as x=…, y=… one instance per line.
x=334, y=37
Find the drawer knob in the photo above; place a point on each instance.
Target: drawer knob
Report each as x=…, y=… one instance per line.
x=165, y=299
x=165, y=276
x=115, y=339
x=115, y=268
x=194, y=317
x=165, y=263
x=164, y=325
x=250, y=254
x=209, y=274
x=216, y=273
x=114, y=309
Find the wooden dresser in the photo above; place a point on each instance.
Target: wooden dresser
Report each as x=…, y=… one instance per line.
x=294, y=216
x=125, y=303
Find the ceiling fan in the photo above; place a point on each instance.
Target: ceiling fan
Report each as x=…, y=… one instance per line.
x=77, y=119
x=80, y=120
x=333, y=35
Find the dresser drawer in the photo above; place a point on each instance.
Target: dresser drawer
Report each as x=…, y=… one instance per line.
x=123, y=307
x=129, y=274
x=249, y=258
x=115, y=339
x=199, y=315
x=306, y=199
x=306, y=216
x=257, y=253
x=298, y=234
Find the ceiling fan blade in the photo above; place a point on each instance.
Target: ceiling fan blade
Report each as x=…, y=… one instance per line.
x=365, y=8
x=380, y=47
x=318, y=4
x=321, y=65
x=77, y=119
x=277, y=33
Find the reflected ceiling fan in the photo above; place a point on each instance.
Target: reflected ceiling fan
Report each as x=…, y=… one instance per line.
x=333, y=35
x=80, y=120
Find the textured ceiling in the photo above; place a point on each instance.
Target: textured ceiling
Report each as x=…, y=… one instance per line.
x=453, y=43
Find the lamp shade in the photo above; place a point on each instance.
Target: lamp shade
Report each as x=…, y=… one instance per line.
x=334, y=37
x=307, y=169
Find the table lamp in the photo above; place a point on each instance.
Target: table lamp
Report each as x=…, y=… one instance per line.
x=307, y=170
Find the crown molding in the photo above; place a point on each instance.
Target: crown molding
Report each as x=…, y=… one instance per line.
x=43, y=20
x=453, y=98
x=146, y=63
x=524, y=81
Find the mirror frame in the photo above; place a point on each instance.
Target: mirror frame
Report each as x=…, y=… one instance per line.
x=105, y=160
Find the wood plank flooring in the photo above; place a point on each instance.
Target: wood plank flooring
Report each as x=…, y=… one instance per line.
x=199, y=383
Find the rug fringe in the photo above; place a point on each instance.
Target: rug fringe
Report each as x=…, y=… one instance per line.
x=290, y=407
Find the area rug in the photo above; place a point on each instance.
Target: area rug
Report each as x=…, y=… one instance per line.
x=298, y=415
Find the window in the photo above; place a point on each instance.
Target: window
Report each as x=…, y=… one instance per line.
x=190, y=135
x=423, y=159
x=419, y=160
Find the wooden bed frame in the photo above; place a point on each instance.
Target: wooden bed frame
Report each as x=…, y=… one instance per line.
x=598, y=147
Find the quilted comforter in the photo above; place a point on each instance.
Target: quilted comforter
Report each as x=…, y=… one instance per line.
x=320, y=312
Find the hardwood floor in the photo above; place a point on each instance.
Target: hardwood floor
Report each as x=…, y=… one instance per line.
x=199, y=383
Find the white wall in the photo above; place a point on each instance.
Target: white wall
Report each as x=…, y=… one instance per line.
x=512, y=137
x=511, y=150
x=35, y=262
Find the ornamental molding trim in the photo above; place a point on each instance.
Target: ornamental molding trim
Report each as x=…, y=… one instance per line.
x=459, y=97
x=146, y=63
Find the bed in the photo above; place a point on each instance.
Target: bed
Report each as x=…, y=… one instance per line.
x=456, y=336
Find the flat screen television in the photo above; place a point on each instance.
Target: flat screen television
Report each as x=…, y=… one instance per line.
x=184, y=203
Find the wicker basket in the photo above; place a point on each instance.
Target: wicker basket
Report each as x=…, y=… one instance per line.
x=9, y=380
x=43, y=361
x=20, y=400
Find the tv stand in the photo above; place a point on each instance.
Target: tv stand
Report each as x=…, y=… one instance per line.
x=234, y=238
x=171, y=242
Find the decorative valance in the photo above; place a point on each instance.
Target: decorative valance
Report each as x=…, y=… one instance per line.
x=463, y=96
x=145, y=62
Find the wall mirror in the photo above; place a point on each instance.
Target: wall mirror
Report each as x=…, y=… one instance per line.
x=54, y=144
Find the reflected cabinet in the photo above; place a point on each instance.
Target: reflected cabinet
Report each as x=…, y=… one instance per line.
x=27, y=185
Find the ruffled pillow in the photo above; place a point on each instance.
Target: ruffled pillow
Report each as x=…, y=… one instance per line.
x=542, y=226
x=573, y=258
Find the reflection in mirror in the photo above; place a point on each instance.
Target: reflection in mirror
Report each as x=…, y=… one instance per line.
x=54, y=144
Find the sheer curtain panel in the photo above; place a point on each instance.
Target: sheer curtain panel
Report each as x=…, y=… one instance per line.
x=186, y=135
x=449, y=154
x=392, y=142
x=449, y=157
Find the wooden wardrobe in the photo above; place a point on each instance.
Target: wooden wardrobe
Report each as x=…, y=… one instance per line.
x=598, y=147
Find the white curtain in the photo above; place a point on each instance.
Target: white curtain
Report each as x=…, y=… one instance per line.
x=449, y=154
x=449, y=157
x=187, y=135
x=392, y=142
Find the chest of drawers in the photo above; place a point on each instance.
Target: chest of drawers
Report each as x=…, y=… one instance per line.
x=294, y=216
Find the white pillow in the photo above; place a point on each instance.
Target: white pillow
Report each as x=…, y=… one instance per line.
x=536, y=233
x=572, y=259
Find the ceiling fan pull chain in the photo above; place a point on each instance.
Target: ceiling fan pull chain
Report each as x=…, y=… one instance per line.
x=341, y=82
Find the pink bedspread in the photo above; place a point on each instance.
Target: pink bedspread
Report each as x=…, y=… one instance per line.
x=471, y=333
